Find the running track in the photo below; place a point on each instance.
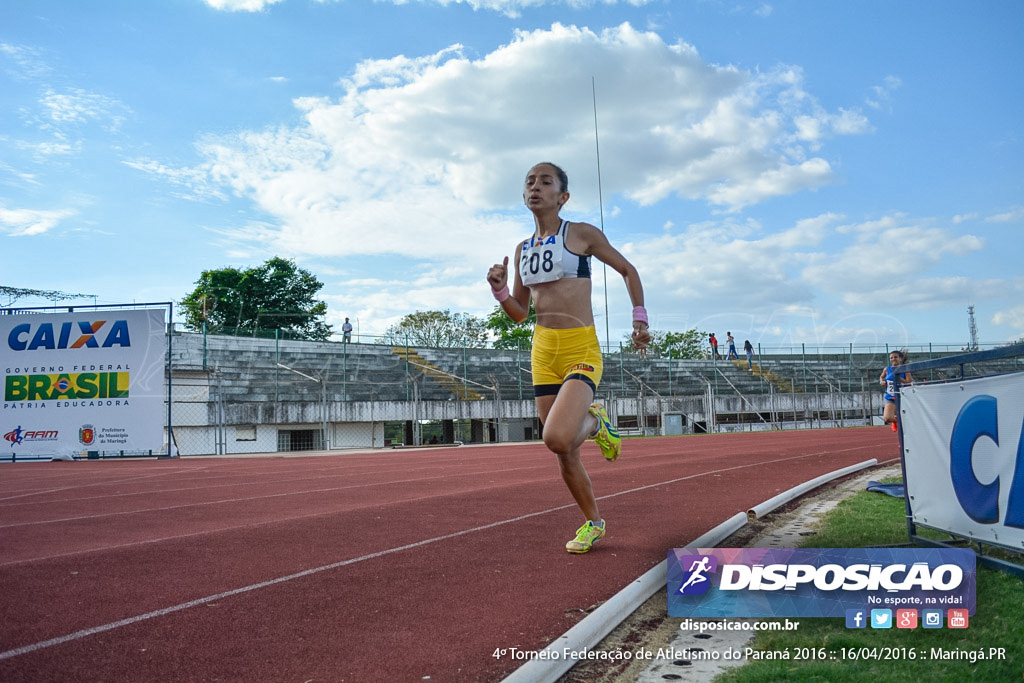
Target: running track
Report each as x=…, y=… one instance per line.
x=393, y=565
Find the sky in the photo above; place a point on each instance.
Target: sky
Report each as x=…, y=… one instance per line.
x=795, y=172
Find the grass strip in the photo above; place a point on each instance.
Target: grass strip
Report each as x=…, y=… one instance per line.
x=870, y=519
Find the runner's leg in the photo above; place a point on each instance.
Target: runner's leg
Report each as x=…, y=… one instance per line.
x=567, y=424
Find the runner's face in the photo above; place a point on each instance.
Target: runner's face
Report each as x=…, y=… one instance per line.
x=543, y=189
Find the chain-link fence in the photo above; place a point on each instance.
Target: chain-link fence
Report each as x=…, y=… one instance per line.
x=261, y=394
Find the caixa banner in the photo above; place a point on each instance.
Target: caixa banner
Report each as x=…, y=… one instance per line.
x=817, y=582
x=82, y=381
x=963, y=447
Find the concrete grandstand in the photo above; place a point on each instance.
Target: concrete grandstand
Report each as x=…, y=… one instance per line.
x=246, y=395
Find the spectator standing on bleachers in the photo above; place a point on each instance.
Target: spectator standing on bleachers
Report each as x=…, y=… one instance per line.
x=346, y=331
x=552, y=268
x=732, y=346
x=714, y=346
x=749, y=350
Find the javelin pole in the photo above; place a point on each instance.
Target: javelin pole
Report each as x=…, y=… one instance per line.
x=600, y=204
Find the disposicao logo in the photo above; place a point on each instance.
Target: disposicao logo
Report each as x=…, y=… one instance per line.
x=817, y=582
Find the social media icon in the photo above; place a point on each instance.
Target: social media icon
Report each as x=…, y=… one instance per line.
x=931, y=618
x=906, y=618
x=856, y=618
x=958, y=618
x=881, y=618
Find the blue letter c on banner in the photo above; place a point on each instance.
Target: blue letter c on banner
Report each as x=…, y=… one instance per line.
x=976, y=419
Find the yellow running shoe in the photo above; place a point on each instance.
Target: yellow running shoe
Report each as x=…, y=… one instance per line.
x=586, y=536
x=606, y=436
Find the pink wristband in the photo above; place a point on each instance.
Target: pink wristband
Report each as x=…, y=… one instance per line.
x=640, y=315
x=500, y=294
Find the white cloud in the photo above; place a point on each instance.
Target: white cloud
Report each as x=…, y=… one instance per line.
x=1013, y=318
x=881, y=95
x=76, y=106
x=27, y=222
x=54, y=148
x=1011, y=216
x=750, y=186
x=60, y=116
x=422, y=158
x=65, y=115
x=888, y=261
x=195, y=182
x=241, y=5
x=737, y=265
x=21, y=176
x=511, y=8
x=874, y=329
x=418, y=146
x=28, y=62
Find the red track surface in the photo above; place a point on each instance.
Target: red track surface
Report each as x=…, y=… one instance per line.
x=383, y=566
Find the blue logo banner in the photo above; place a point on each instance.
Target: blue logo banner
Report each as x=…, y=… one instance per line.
x=817, y=582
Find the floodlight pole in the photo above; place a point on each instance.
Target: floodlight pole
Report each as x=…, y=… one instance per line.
x=600, y=205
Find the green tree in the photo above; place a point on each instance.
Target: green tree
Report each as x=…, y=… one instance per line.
x=277, y=295
x=437, y=329
x=507, y=333
x=680, y=345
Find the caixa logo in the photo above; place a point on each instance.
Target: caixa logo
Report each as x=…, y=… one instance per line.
x=81, y=334
x=977, y=419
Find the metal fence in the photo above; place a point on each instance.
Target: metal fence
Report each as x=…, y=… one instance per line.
x=263, y=393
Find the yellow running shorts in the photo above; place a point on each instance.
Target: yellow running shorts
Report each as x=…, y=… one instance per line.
x=559, y=355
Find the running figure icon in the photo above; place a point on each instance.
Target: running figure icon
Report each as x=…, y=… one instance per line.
x=697, y=570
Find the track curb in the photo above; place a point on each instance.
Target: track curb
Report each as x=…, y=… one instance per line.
x=547, y=665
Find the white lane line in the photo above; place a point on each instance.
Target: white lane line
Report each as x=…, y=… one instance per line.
x=83, y=485
x=263, y=584
x=84, y=633
x=225, y=501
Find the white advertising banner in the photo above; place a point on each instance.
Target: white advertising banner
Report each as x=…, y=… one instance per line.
x=85, y=381
x=964, y=453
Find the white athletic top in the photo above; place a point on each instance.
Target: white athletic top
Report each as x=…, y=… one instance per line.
x=547, y=259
